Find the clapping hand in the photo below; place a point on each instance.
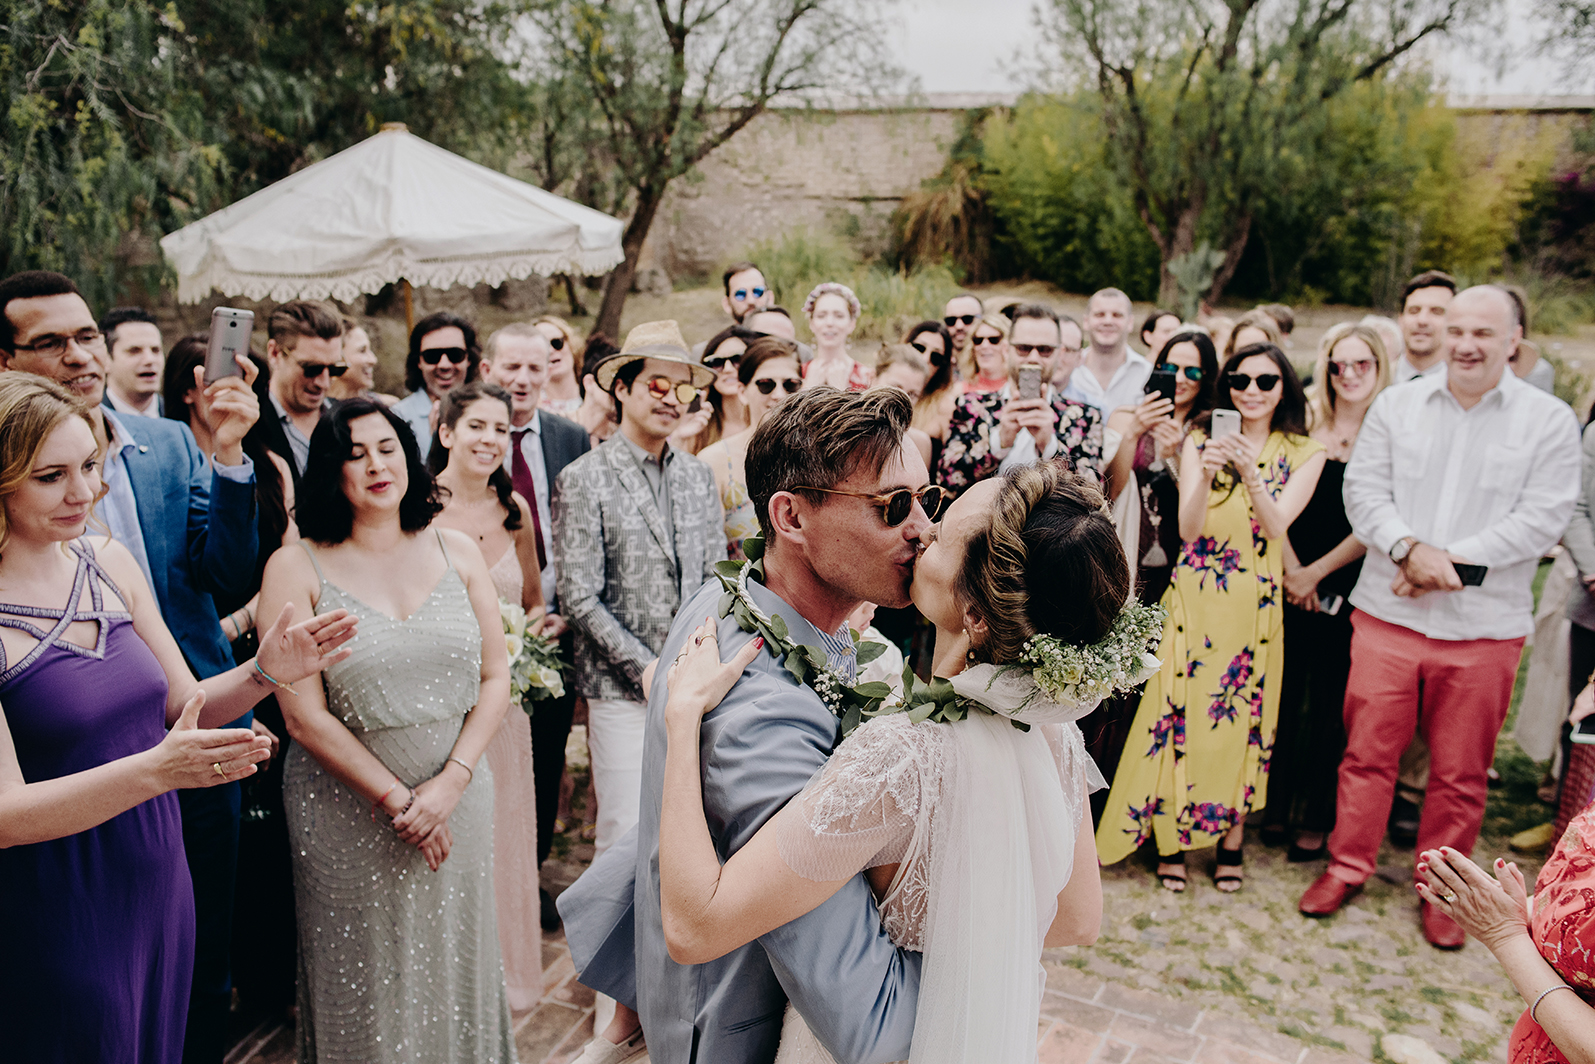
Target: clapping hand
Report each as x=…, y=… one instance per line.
x=698, y=681
x=292, y=653
x=191, y=756
x=1491, y=910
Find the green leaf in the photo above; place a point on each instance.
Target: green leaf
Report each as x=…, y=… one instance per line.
x=729, y=570
x=921, y=712
x=868, y=652
x=778, y=626
x=752, y=549
x=797, y=666
x=727, y=601
x=851, y=719
x=816, y=655
x=874, y=689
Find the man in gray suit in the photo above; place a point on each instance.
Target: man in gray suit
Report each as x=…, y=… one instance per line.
x=822, y=510
x=637, y=529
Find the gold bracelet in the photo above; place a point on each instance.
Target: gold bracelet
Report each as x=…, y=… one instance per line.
x=469, y=773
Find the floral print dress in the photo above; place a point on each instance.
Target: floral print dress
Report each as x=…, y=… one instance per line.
x=1563, y=929
x=1196, y=760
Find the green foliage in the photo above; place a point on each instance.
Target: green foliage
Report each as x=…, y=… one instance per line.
x=892, y=300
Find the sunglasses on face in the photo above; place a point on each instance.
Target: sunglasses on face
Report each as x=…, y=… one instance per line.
x=937, y=357
x=312, y=370
x=766, y=385
x=992, y=340
x=1192, y=373
x=1357, y=367
x=954, y=319
x=433, y=355
x=741, y=294
x=716, y=361
x=897, y=505
x=1041, y=349
x=557, y=343
x=662, y=387
x=1266, y=382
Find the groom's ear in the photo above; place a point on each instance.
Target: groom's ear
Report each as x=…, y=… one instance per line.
x=787, y=517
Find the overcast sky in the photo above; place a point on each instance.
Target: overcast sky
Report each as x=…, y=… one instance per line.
x=965, y=46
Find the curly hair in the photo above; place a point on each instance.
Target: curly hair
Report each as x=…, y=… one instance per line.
x=321, y=508
x=1048, y=563
x=832, y=288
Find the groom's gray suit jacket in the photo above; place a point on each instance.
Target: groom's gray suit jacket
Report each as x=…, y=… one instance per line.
x=759, y=748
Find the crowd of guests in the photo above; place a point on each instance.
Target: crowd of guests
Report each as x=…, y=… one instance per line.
x=1345, y=557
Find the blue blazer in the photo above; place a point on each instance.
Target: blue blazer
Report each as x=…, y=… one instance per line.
x=856, y=990
x=199, y=534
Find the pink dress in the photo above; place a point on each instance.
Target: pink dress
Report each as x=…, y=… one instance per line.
x=509, y=755
x=1563, y=928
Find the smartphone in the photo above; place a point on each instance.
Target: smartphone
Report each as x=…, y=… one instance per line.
x=1225, y=423
x=1470, y=575
x=1584, y=731
x=1161, y=383
x=229, y=338
x=1029, y=382
x=1330, y=604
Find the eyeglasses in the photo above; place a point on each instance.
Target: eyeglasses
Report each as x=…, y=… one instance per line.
x=937, y=357
x=741, y=294
x=715, y=361
x=90, y=339
x=312, y=370
x=897, y=505
x=1266, y=382
x=1192, y=373
x=954, y=319
x=992, y=340
x=1356, y=367
x=433, y=355
x=663, y=387
x=766, y=385
x=1041, y=349
x=557, y=343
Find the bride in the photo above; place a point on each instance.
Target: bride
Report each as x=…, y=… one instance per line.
x=967, y=804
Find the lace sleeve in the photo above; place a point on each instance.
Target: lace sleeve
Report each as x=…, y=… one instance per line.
x=1075, y=765
x=861, y=809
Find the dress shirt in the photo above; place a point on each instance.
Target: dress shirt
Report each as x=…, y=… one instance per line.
x=118, y=508
x=1494, y=485
x=1023, y=451
x=653, y=471
x=416, y=410
x=1404, y=371
x=840, y=652
x=532, y=451
x=298, y=442
x=1125, y=389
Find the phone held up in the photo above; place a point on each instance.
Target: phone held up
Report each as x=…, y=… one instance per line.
x=1225, y=423
x=1029, y=382
x=1161, y=383
x=229, y=338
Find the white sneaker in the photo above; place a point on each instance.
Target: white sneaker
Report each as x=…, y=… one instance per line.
x=602, y=1051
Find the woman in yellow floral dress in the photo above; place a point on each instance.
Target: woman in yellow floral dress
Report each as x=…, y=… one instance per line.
x=1196, y=760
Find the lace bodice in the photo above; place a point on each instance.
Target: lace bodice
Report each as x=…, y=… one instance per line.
x=876, y=801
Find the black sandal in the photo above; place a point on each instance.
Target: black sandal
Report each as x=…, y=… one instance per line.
x=1174, y=884
x=1228, y=859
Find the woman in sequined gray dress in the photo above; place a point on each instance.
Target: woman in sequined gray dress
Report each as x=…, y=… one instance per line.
x=389, y=802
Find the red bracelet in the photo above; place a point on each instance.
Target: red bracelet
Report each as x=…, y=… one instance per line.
x=376, y=804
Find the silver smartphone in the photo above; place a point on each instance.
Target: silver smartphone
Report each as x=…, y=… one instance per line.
x=229, y=338
x=1225, y=423
x=1029, y=382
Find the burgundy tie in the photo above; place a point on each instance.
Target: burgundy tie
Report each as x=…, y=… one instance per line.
x=521, y=478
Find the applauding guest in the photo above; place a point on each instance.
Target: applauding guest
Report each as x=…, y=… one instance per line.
x=390, y=808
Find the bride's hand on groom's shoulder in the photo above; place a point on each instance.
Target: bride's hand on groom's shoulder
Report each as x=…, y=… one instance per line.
x=698, y=680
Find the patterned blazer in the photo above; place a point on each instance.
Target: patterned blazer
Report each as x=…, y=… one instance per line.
x=966, y=458
x=620, y=577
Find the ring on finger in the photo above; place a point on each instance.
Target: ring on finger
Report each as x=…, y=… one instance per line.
x=1449, y=898
x=217, y=765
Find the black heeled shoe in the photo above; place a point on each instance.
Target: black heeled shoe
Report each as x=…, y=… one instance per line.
x=1174, y=883
x=1228, y=859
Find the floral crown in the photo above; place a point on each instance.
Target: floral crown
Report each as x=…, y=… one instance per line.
x=1117, y=662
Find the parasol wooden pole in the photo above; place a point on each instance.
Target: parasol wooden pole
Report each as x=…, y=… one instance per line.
x=409, y=307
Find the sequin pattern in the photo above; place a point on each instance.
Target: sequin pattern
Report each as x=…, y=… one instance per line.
x=397, y=962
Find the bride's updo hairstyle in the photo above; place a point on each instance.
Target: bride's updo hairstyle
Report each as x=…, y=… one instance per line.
x=1049, y=563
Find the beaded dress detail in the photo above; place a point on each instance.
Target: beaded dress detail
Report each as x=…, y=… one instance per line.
x=397, y=963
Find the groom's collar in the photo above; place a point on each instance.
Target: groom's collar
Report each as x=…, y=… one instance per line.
x=838, y=645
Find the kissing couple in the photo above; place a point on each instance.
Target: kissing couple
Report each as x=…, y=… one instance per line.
x=791, y=894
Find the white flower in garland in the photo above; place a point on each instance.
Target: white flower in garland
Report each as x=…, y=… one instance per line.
x=1118, y=662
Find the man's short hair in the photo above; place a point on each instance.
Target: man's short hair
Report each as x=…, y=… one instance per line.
x=775, y=309
x=736, y=268
x=515, y=328
x=967, y=295
x=1034, y=310
x=1520, y=306
x=1108, y=293
x=1429, y=279
x=30, y=284
x=1283, y=316
x=862, y=430
x=302, y=318
x=119, y=316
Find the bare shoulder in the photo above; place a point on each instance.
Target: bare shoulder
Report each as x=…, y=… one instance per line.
x=525, y=511
x=462, y=549
x=115, y=559
x=290, y=568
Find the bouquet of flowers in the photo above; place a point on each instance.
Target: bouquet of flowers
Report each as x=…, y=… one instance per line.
x=535, y=666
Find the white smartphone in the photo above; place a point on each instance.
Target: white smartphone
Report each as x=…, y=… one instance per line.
x=1225, y=423
x=229, y=338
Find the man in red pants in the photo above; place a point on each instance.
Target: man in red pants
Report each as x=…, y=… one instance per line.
x=1452, y=474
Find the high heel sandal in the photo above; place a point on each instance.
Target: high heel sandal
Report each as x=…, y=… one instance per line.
x=1174, y=883
x=1230, y=859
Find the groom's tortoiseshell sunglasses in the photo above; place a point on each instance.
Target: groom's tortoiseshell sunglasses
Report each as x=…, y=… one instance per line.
x=897, y=505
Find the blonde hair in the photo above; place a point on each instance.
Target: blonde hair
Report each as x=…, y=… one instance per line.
x=571, y=341
x=31, y=407
x=900, y=355
x=1321, y=396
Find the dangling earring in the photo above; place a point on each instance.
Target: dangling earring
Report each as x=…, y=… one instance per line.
x=969, y=655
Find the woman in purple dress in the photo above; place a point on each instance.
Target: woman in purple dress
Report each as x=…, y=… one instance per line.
x=95, y=963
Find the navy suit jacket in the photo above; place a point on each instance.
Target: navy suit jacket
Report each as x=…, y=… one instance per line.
x=857, y=991
x=199, y=535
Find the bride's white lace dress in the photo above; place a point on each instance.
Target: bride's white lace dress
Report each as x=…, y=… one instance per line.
x=981, y=818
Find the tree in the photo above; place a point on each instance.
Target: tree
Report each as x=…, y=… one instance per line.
x=664, y=83
x=1204, y=101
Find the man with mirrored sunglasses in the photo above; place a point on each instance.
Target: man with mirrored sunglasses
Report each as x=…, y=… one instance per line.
x=304, y=348
x=745, y=291
x=443, y=353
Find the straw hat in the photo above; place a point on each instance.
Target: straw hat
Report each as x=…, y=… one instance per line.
x=660, y=340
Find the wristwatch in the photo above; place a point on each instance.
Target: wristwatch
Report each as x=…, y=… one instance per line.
x=1403, y=547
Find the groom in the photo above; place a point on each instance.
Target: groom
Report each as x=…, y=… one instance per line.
x=825, y=553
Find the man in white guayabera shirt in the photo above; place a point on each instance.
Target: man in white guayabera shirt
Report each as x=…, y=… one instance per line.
x=1472, y=467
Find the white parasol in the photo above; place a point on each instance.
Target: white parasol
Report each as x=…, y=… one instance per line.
x=392, y=208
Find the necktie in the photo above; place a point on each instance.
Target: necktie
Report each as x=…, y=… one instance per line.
x=521, y=478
